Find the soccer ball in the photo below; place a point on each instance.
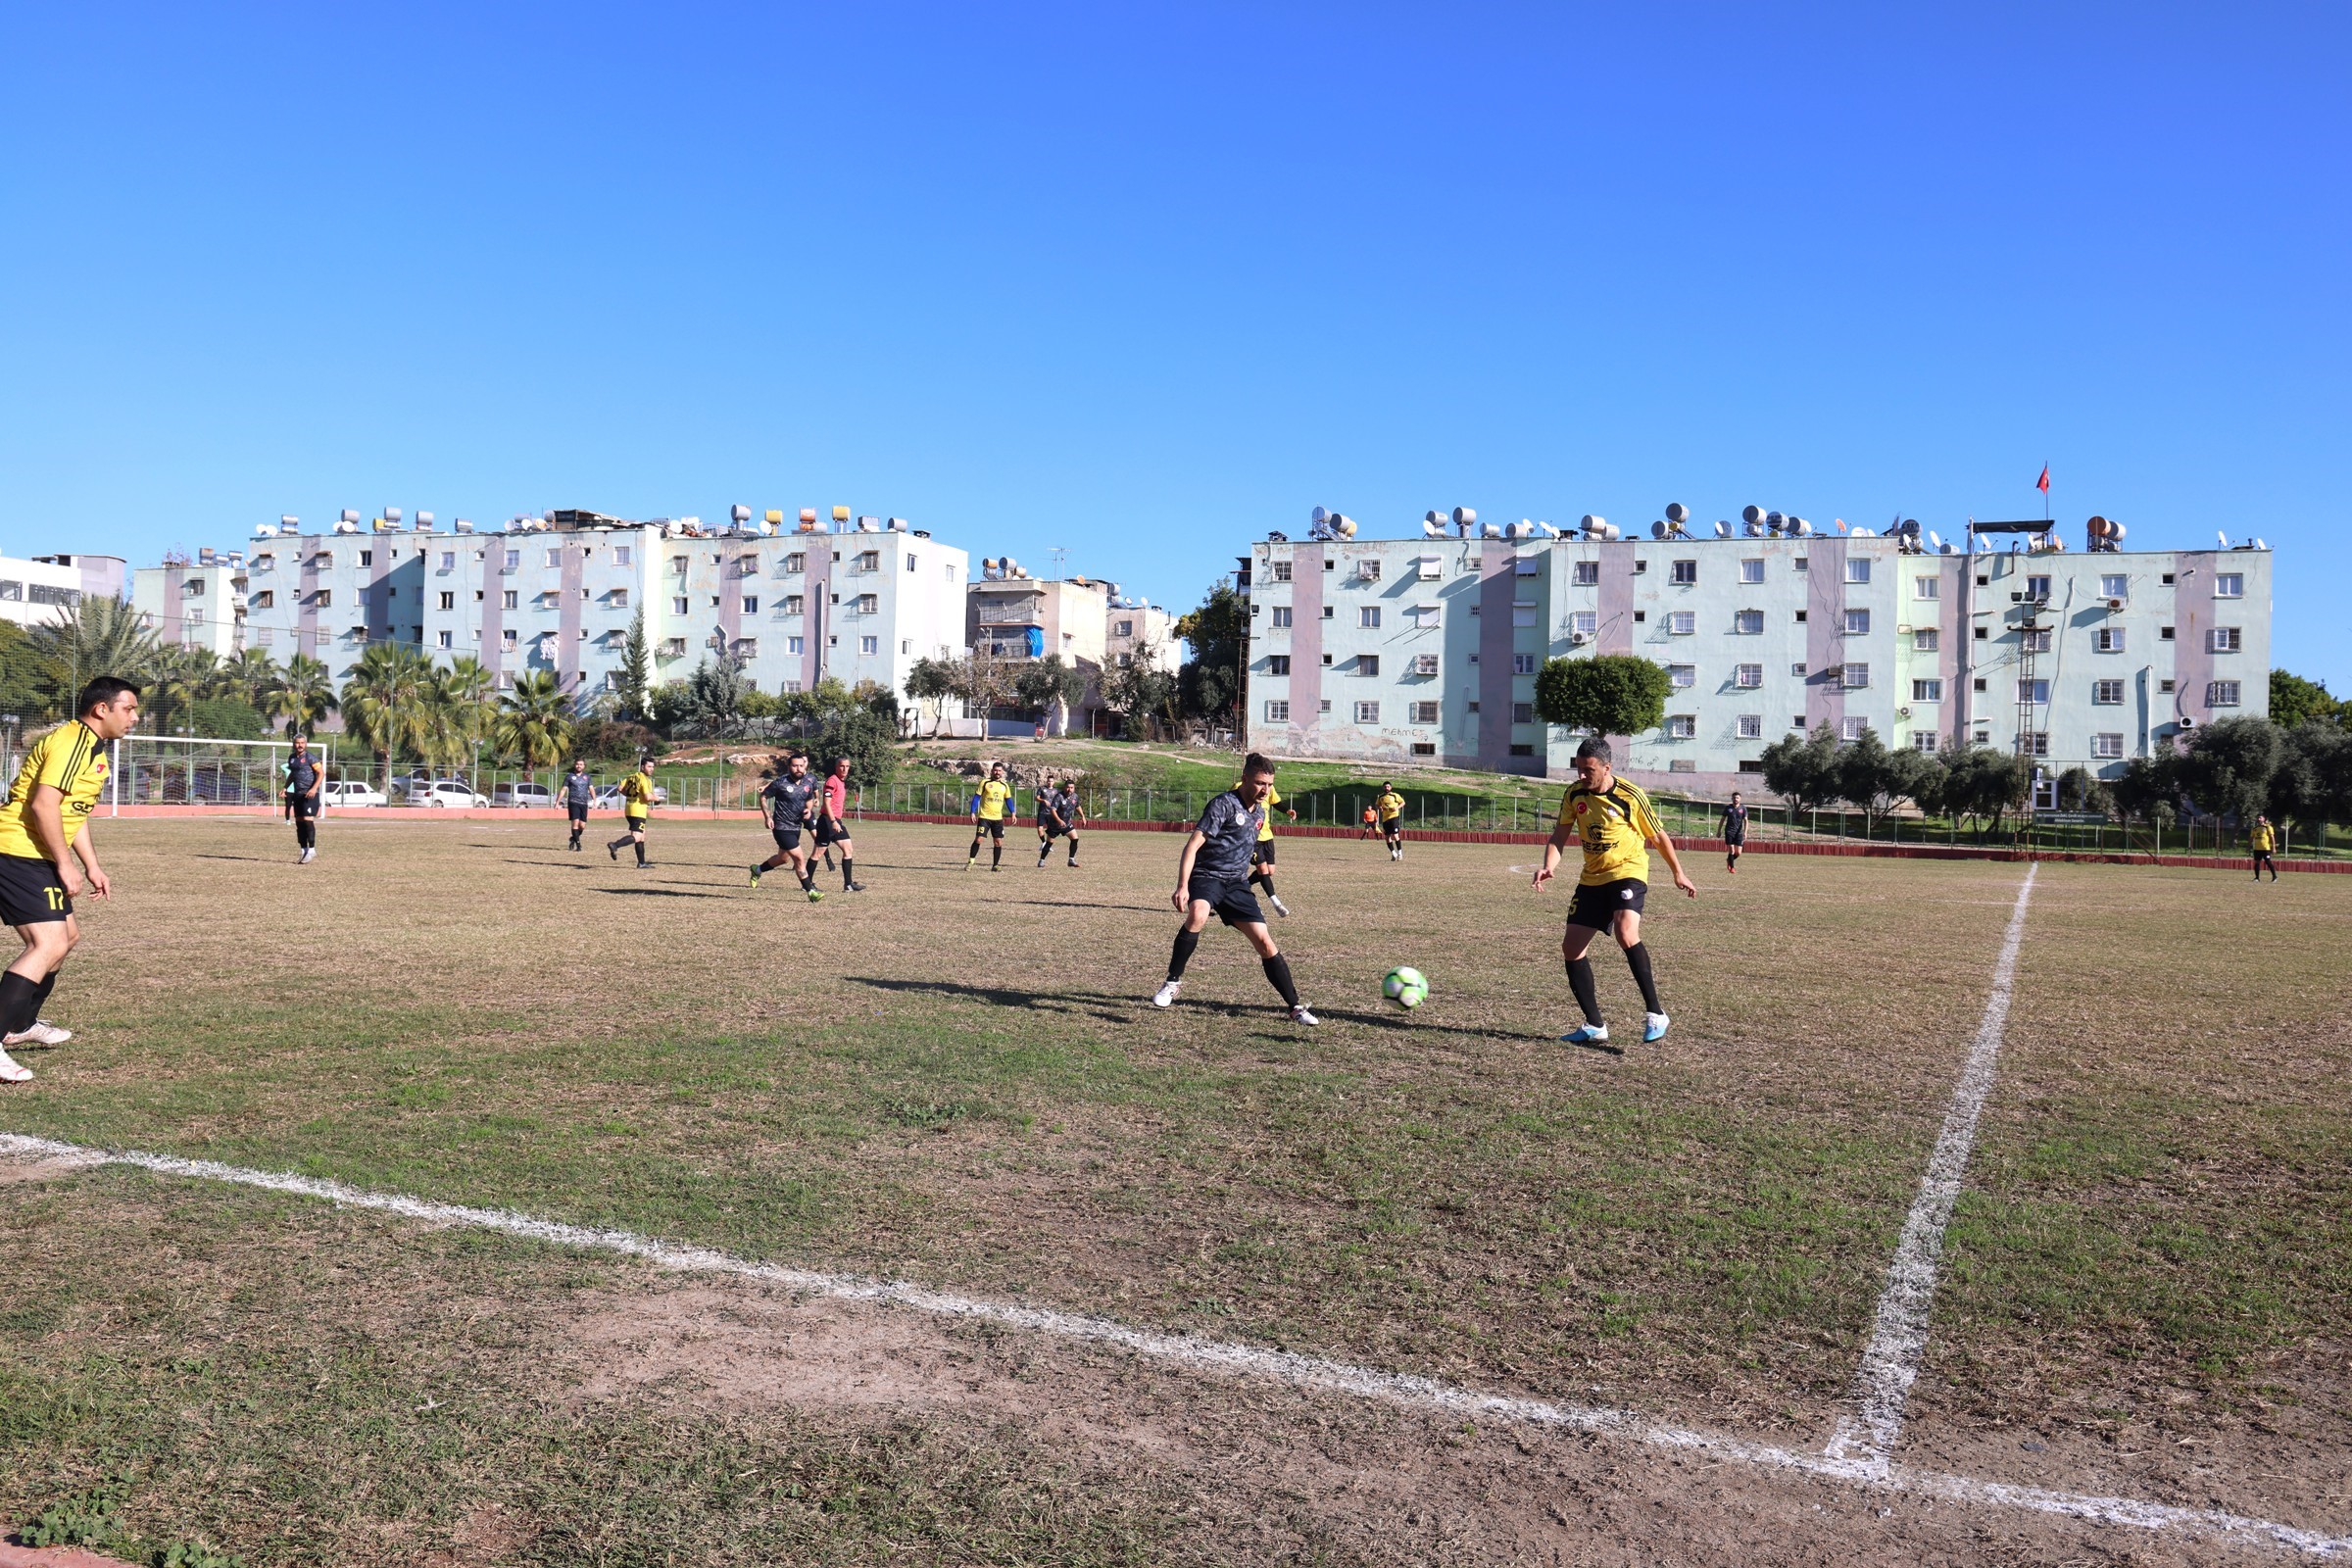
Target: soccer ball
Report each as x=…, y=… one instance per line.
x=1405, y=987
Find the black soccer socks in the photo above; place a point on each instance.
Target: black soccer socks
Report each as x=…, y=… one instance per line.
x=1637, y=958
x=1278, y=974
x=20, y=1002
x=1588, y=994
x=1185, y=941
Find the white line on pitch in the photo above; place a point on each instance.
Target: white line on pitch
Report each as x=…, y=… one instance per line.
x=1891, y=1362
x=1224, y=1358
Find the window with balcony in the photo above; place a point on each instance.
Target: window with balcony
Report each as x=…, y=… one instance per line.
x=1750, y=726
x=266, y=599
x=1682, y=622
x=867, y=604
x=673, y=648
x=794, y=563
x=324, y=598
x=1368, y=570
x=867, y=559
x=1425, y=663
x=1682, y=727
x=1682, y=677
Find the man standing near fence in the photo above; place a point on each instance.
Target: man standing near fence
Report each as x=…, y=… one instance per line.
x=2264, y=840
x=1734, y=834
x=987, y=816
x=578, y=791
x=303, y=782
x=1390, y=807
x=46, y=856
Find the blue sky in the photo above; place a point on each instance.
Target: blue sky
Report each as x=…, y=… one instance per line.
x=1145, y=281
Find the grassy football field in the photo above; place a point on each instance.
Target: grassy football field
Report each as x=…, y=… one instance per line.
x=956, y=1079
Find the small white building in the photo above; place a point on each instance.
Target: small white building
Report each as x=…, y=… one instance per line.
x=36, y=592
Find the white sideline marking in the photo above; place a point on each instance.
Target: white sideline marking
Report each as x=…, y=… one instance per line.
x=1400, y=1389
x=1891, y=1364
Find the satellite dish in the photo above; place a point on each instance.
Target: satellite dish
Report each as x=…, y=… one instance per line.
x=1675, y=511
x=1433, y=526
x=1841, y=523
x=1547, y=530
x=1935, y=540
x=1751, y=514
x=2259, y=545
x=2223, y=537
x=1865, y=534
x=1318, y=515
x=1464, y=517
x=1723, y=530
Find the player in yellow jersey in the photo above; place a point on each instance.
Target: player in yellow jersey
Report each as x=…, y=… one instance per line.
x=1261, y=854
x=1612, y=820
x=636, y=805
x=2263, y=840
x=987, y=818
x=46, y=857
x=1390, y=807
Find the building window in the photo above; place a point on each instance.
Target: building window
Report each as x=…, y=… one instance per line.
x=1796, y=722
x=1282, y=570
x=2033, y=743
x=1425, y=747
x=1983, y=632
x=2228, y=585
x=1857, y=623
x=2221, y=694
x=1747, y=677
x=447, y=639
x=1926, y=691
x=867, y=559
x=1584, y=575
x=509, y=598
x=2037, y=641
x=1747, y=622
x=2164, y=634
x=2037, y=587
x=1858, y=569
x=1281, y=617
x=1925, y=739
x=1523, y=612
x=1750, y=726
x=2223, y=639
x=1924, y=587
x=1367, y=569
x=1681, y=676
x=1978, y=685
x=1323, y=705
x=2033, y=691
x=2114, y=585
x=366, y=558
x=1424, y=713
x=2107, y=746
x=1682, y=727
x=1367, y=663
x=796, y=645
x=1368, y=712
x=1523, y=664
x=324, y=598
x=1527, y=749
x=869, y=645
x=449, y=600
x=624, y=554
x=1368, y=617
x=794, y=604
x=1682, y=622
x=1278, y=711
x=620, y=599
x=1523, y=712
x=514, y=561
x=507, y=636
x=2107, y=693
x=1683, y=572
x=1853, y=676
x=746, y=648
x=1527, y=565
x=678, y=604
x=1851, y=730
x=751, y=605
x=1926, y=639
x=794, y=562
x=1278, y=664
x=263, y=600
x=2107, y=640
x=1583, y=622
x=1751, y=569
x=1800, y=563
x=868, y=603
x=1797, y=669
x=1801, y=617
x=1425, y=663
x=1125, y=628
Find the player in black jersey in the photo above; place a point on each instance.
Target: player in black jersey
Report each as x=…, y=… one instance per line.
x=305, y=782
x=791, y=801
x=1735, y=833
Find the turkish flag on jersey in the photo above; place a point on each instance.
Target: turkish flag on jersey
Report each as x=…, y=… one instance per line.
x=2042, y=485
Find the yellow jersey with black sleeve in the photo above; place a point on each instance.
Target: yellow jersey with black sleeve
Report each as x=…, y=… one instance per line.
x=2264, y=839
x=1390, y=805
x=1615, y=826
x=994, y=792
x=72, y=759
x=637, y=797
x=1265, y=830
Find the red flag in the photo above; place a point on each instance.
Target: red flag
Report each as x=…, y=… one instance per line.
x=2042, y=485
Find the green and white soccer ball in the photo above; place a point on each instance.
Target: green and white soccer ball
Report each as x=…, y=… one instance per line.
x=1404, y=986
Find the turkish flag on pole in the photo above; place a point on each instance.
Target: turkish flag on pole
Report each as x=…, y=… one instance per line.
x=2042, y=485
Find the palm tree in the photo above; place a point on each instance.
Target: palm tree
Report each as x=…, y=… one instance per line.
x=103, y=637
x=179, y=679
x=384, y=703
x=252, y=675
x=534, y=722
x=303, y=696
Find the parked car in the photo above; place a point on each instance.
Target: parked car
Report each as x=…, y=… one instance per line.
x=349, y=792
x=449, y=791
x=607, y=797
x=522, y=793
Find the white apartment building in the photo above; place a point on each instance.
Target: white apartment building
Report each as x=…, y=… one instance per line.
x=38, y=591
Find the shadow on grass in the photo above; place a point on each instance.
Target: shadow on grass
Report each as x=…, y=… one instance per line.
x=258, y=859
x=1100, y=1005
x=1066, y=903
x=656, y=892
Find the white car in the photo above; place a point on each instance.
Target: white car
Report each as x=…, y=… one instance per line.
x=349, y=792
x=447, y=792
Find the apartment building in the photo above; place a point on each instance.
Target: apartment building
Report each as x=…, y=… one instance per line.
x=38, y=591
x=559, y=593
x=1426, y=650
x=1085, y=620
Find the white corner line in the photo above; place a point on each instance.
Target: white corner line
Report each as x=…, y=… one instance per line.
x=1899, y=1336
x=1224, y=1358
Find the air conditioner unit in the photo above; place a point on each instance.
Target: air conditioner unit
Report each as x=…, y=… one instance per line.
x=1578, y=639
x=1902, y=712
x=2187, y=722
x=2115, y=604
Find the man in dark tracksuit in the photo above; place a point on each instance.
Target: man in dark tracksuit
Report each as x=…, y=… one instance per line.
x=578, y=791
x=305, y=782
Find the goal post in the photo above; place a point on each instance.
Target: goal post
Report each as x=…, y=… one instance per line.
x=197, y=770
